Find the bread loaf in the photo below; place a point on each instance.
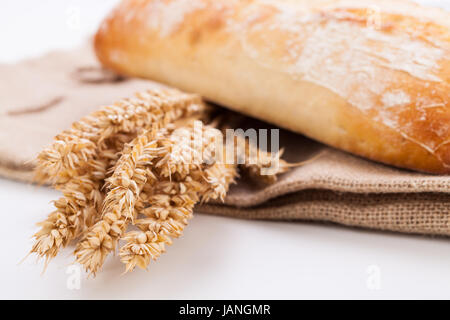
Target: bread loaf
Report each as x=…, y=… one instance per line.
x=366, y=76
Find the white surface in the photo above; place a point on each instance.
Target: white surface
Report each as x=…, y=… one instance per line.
x=216, y=257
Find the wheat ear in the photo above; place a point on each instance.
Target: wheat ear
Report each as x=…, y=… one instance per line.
x=131, y=173
x=259, y=165
x=78, y=209
x=170, y=204
x=107, y=182
x=72, y=150
x=75, y=211
x=167, y=211
x=78, y=161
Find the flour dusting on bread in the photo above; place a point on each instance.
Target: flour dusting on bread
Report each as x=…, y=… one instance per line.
x=168, y=16
x=340, y=51
x=395, y=98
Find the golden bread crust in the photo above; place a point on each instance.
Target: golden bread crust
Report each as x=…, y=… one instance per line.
x=369, y=77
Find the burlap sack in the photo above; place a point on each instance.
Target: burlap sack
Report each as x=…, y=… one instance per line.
x=43, y=96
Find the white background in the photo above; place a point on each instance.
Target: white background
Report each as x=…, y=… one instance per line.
x=216, y=257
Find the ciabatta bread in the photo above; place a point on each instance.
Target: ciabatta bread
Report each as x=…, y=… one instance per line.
x=369, y=77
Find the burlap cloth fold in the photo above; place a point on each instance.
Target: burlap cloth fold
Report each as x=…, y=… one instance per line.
x=43, y=96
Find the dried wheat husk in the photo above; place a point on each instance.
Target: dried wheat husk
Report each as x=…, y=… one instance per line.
x=131, y=173
x=80, y=158
x=70, y=153
x=137, y=158
x=169, y=205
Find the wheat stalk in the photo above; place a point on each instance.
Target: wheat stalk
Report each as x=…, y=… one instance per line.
x=170, y=204
x=71, y=151
x=133, y=170
x=78, y=209
x=168, y=212
x=75, y=211
x=131, y=173
x=78, y=161
x=145, y=156
x=259, y=165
